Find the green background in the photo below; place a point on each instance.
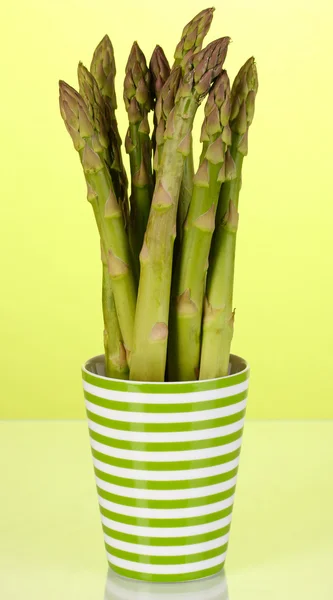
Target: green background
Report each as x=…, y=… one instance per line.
x=50, y=275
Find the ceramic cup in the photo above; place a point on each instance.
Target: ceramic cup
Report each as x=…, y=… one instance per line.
x=166, y=458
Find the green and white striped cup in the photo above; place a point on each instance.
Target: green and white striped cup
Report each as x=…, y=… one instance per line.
x=166, y=458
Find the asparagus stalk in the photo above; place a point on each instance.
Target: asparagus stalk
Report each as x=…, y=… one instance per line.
x=191, y=41
x=160, y=71
x=185, y=194
x=103, y=69
x=215, y=166
x=88, y=135
x=151, y=319
x=219, y=315
x=115, y=355
x=138, y=102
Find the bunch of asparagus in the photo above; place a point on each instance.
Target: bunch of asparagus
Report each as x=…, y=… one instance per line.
x=168, y=250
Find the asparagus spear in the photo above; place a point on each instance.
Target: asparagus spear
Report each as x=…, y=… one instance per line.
x=191, y=41
x=151, y=319
x=80, y=126
x=219, y=314
x=215, y=167
x=160, y=71
x=88, y=135
x=103, y=68
x=192, y=36
x=138, y=102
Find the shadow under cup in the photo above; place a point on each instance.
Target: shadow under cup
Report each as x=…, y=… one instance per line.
x=166, y=458
x=211, y=588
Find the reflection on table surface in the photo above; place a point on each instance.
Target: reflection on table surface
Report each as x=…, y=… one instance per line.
x=212, y=588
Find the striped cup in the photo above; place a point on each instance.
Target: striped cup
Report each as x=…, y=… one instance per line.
x=166, y=458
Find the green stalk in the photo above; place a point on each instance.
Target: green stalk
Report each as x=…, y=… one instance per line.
x=115, y=355
x=151, y=319
x=138, y=102
x=189, y=281
x=219, y=314
x=103, y=69
x=185, y=194
x=119, y=258
x=88, y=135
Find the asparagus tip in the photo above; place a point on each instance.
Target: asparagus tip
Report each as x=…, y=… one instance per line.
x=193, y=35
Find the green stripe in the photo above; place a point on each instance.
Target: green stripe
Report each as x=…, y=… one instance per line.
x=166, y=408
x=165, y=427
x=166, y=578
x=142, y=522
x=166, y=504
x=143, y=559
x=166, y=541
x=166, y=485
x=165, y=388
x=165, y=446
x=180, y=465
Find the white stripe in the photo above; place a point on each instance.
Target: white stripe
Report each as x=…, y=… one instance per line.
x=166, y=456
x=166, y=550
x=165, y=513
x=167, y=532
x=152, y=398
x=187, y=417
x=166, y=475
x=172, y=436
x=144, y=494
x=166, y=569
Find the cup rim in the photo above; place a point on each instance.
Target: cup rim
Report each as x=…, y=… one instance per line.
x=166, y=383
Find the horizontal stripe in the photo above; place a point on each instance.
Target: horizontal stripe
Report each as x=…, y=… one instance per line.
x=178, y=578
x=156, y=409
x=146, y=494
x=163, y=427
x=166, y=475
x=146, y=437
x=167, y=532
x=184, y=559
x=166, y=569
x=166, y=502
x=166, y=541
x=181, y=465
x=179, y=550
x=167, y=523
x=165, y=447
x=183, y=484
x=164, y=513
x=161, y=417
x=185, y=455
x=168, y=418
x=159, y=399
